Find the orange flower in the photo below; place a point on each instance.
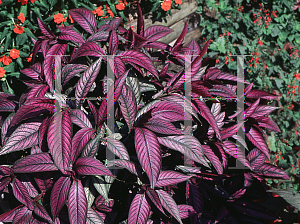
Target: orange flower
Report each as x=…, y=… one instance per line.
x=14, y=54
x=58, y=18
x=179, y=2
x=21, y=17
x=98, y=11
x=72, y=20
x=132, y=28
x=120, y=6
x=29, y=58
x=2, y=72
x=5, y=60
x=166, y=5
x=110, y=12
x=23, y=2
x=18, y=29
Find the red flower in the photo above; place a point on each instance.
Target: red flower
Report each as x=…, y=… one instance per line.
x=14, y=54
x=217, y=61
x=120, y=6
x=29, y=58
x=166, y=5
x=2, y=72
x=228, y=33
x=32, y=1
x=71, y=19
x=179, y=2
x=6, y=60
x=297, y=76
x=132, y=28
x=0, y=2
x=260, y=42
x=18, y=29
x=58, y=18
x=98, y=11
x=23, y=2
x=21, y=17
x=110, y=12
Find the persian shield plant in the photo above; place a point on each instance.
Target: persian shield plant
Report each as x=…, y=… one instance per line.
x=55, y=168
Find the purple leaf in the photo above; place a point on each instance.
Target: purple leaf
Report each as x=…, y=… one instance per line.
x=149, y=153
x=166, y=178
x=5, y=126
x=9, y=216
x=255, y=93
x=71, y=35
x=23, y=216
x=215, y=161
x=93, y=217
x=25, y=136
x=222, y=91
x=182, y=35
x=128, y=106
x=140, y=59
x=93, y=110
x=231, y=149
x=77, y=203
x=85, y=18
x=129, y=165
x=157, y=45
x=187, y=145
x=43, y=133
x=189, y=169
x=250, y=110
x=59, y=194
x=207, y=115
x=91, y=166
x=102, y=113
x=258, y=140
x=113, y=43
x=139, y=209
x=267, y=122
x=33, y=71
x=79, y=118
x=49, y=63
x=156, y=32
x=41, y=211
x=70, y=70
x=80, y=139
x=99, y=36
x=169, y=204
x=194, y=49
x=186, y=211
x=40, y=162
x=140, y=21
x=45, y=30
x=38, y=91
x=7, y=106
x=59, y=140
x=270, y=170
x=162, y=127
x=118, y=148
x=262, y=111
x=86, y=80
x=88, y=49
x=256, y=158
x=153, y=196
x=44, y=181
x=91, y=148
x=21, y=193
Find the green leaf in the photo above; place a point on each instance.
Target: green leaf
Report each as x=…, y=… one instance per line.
x=21, y=39
x=275, y=31
x=23, y=10
x=52, y=2
x=75, y=2
x=7, y=41
x=19, y=61
x=29, y=33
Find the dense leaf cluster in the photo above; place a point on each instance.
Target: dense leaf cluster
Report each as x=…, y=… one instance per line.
x=56, y=168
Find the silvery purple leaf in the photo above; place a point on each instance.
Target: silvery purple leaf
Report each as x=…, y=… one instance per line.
x=139, y=209
x=59, y=195
x=25, y=136
x=21, y=193
x=149, y=153
x=40, y=162
x=169, y=204
x=77, y=203
x=169, y=177
x=59, y=140
x=85, y=18
x=91, y=166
